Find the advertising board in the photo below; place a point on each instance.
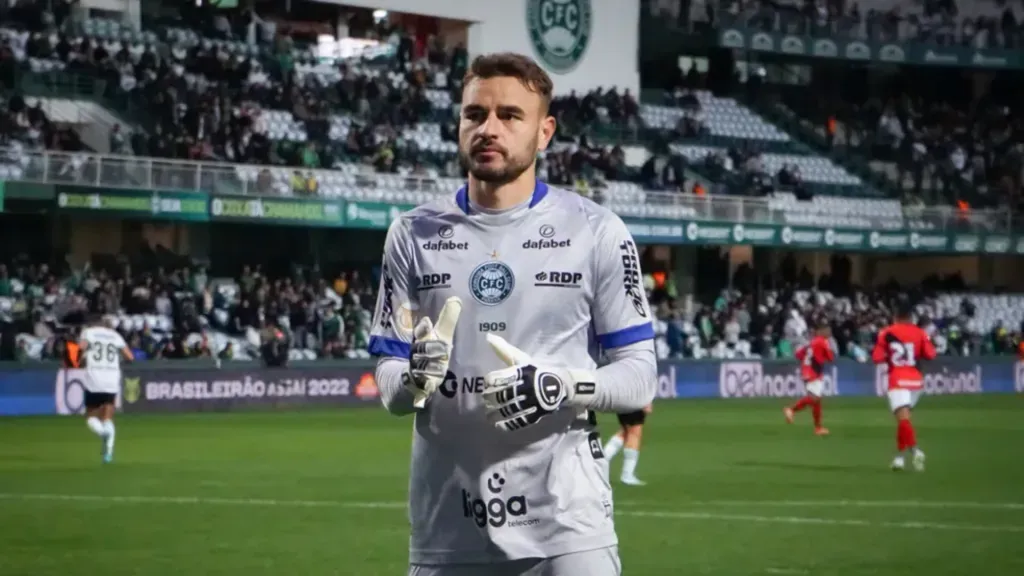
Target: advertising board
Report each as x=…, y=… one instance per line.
x=185, y=387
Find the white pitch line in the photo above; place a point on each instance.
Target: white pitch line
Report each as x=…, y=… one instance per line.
x=203, y=501
x=897, y=504
x=671, y=514
x=751, y=518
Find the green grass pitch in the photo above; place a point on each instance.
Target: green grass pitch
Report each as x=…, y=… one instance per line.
x=732, y=491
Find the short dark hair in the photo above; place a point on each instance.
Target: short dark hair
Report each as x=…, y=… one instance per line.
x=904, y=308
x=512, y=65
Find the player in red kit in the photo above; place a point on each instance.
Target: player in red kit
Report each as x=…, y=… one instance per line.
x=900, y=347
x=813, y=358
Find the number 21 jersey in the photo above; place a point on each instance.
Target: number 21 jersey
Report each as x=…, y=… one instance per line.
x=900, y=347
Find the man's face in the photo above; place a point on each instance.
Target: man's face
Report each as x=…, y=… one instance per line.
x=501, y=128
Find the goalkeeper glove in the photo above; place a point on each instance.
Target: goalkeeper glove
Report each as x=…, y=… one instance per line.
x=430, y=352
x=520, y=395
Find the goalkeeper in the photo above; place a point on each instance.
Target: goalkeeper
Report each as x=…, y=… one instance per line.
x=492, y=300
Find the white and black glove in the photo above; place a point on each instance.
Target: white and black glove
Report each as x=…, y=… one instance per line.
x=520, y=395
x=430, y=351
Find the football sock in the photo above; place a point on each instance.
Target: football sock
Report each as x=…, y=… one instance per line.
x=612, y=447
x=802, y=403
x=630, y=457
x=109, y=425
x=816, y=412
x=96, y=425
x=905, y=435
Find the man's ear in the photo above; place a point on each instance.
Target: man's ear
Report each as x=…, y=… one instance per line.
x=545, y=132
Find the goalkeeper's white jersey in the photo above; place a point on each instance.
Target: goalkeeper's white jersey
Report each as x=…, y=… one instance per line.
x=556, y=278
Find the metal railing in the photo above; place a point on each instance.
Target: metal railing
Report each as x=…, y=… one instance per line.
x=743, y=209
x=140, y=173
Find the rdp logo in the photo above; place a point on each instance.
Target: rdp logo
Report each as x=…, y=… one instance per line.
x=433, y=281
x=497, y=511
x=556, y=278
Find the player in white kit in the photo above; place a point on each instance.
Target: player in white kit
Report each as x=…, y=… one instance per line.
x=101, y=352
x=526, y=283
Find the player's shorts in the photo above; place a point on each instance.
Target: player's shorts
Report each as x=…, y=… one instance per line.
x=600, y=562
x=815, y=388
x=903, y=398
x=107, y=381
x=96, y=399
x=633, y=418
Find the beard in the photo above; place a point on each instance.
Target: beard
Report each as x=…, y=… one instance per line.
x=507, y=170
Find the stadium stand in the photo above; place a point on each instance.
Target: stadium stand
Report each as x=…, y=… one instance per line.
x=201, y=109
x=281, y=106
x=913, y=135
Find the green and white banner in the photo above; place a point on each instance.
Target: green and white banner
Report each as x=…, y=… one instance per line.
x=806, y=237
x=894, y=52
x=134, y=204
x=338, y=213
x=269, y=210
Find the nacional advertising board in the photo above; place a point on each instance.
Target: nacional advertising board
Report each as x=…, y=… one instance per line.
x=943, y=376
x=756, y=379
x=781, y=379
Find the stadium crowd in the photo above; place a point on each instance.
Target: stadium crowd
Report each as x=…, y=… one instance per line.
x=168, y=308
x=212, y=99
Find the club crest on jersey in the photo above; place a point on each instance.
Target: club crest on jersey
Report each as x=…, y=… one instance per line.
x=491, y=283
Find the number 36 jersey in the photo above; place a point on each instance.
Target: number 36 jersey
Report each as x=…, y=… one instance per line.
x=102, y=354
x=557, y=277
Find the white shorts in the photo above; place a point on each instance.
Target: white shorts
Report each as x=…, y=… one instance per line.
x=601, y=562
x=903, y=398
x=106, y=382
x=815, y=388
